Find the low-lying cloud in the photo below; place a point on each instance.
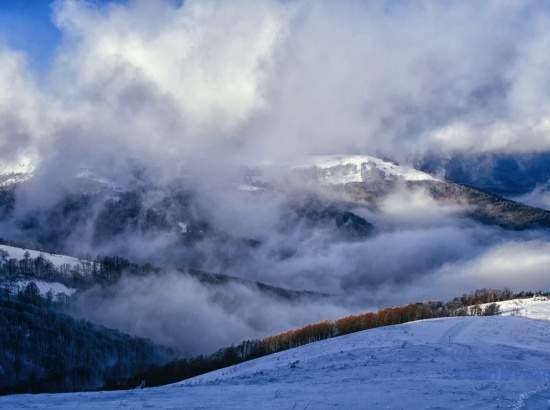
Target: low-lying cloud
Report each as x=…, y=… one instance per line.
x=194, y=318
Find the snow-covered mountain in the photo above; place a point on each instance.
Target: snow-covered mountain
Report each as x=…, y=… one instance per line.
x=7, y=180
x=366, y=180
x=343, y=169
x=341, y=197
x=22, y=165
x=16, y=173
x=458, y=363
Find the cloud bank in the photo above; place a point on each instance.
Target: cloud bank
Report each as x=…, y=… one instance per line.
x=193, y=318
x=164, y=81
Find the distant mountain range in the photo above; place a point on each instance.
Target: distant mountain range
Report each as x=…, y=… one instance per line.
x=330, y=193
x=508, y=175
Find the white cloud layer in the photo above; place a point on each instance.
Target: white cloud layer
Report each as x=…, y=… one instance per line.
x=517, y=264
x=161, y=81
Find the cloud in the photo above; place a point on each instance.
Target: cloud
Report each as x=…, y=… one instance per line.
x=193, y=318
x=212, y=72
x=514, y=263
x=20, y=107
x=538, y=197
x=162, y=81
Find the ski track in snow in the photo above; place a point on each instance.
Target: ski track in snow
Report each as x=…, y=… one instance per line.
x=490, y=363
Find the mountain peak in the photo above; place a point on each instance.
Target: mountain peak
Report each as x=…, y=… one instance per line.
x=16, y=172
x=343, y=169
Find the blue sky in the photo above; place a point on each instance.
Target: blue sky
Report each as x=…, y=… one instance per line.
x=27, y=25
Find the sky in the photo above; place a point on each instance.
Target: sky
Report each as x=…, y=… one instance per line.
x=27, y=25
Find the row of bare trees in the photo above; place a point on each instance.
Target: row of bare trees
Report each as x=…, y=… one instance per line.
x=185, y=368
x=354, y=323
x=251, y=349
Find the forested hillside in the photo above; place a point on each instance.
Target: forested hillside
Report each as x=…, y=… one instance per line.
x=43, y=350
x=74, y=273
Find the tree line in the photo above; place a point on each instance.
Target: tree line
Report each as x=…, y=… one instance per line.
x=181, y=369
x=103, y=270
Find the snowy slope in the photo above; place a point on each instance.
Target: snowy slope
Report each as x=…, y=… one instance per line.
x=337, y=169
x=331, y=170
x=16, y=172
x=11, y=179
x=58, y=289
x=454, y=363
x=24, y=165
x=537, y=307
x=44, y=287
x=57, y=260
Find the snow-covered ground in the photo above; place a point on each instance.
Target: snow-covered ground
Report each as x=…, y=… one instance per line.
x=44, y=287
x=57, y=289
x=537, y=307
x=57, y=260
x=11, y=179
x=23, y=165
x=333, y=170
x=339, y=169
x=454, y=363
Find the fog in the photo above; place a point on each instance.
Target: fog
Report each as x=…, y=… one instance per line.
x=431, y=253
x=193, y=318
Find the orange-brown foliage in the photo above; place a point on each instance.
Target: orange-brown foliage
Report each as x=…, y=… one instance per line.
x=354, y=323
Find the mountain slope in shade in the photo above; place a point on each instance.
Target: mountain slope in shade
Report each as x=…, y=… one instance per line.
x=365, y=180
x=490, y=209
x=503, y=174
x=44, y=350
x=65, y=264
x=318, y=201
x=459, y=363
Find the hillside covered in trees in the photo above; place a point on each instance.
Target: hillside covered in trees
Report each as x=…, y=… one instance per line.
x=44, y=350
x=74, y=273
